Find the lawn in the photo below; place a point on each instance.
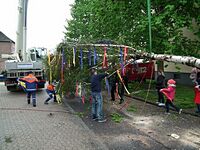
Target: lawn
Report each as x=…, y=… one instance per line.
x=183, y=98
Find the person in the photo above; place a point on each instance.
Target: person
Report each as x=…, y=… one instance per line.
x=125, y=80
x=30, y=87
x=113, y=81
x=160, y=83
x=97, y=100
x=169, y=92
x=197, y=93
x=51, y=92
x=193, y=74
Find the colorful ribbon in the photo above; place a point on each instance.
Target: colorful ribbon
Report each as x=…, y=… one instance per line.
x=74, y=56
x=107, y=86
x=105, y=63
x=118, y=73
x=62, y=67
x=81, y=58
x=95, y=56
x=89, y=57
x=121, y=61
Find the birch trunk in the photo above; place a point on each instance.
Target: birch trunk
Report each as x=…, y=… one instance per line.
x=186, y=60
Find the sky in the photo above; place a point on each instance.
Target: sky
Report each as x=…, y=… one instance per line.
x=45, y=21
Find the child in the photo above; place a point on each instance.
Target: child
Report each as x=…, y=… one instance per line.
x=197, y=93
x=169, y=92
x=51, y=91
x=160, y=83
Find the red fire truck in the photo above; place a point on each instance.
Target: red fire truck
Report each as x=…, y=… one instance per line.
x=140, y=70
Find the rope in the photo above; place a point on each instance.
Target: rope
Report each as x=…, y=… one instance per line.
x=41, y=110
x=129, y=101
x=149, y=86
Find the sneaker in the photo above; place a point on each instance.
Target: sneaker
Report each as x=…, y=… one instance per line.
x=180, y=111
x=102, y=120
x=34, y=105
x=121, y=101
x=94, y=118
x=167, y=113
x=197, y=111
x=29, y=101
x=161, y=104
x=46, y=103
x=157, y=102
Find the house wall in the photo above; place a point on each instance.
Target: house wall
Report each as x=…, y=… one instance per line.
x=5, y=48
x=181, y=75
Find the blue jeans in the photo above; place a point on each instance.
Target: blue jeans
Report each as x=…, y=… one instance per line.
x=50, y=93
x=97, y=105
x=33, y=94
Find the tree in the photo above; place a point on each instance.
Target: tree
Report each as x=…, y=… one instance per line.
x=125, y=22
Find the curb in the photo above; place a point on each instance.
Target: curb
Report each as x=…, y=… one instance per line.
x=100, y=145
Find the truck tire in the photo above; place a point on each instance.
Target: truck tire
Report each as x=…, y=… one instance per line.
x=41, y=86
x=12, y=88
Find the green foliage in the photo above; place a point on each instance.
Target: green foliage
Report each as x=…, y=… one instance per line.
x=126, y=22
x=116, y=117
x=8, y=139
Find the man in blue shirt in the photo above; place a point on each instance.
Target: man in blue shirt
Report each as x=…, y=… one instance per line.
x=97, y=99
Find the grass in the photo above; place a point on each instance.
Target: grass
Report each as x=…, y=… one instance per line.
x=80, y=114
x=8, y=139
x=116, y=117
x=183, y=98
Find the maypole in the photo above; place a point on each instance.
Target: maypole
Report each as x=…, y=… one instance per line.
x=49, y=63
x=149, y=21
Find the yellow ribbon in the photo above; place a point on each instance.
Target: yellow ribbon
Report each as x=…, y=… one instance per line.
x=122, y=82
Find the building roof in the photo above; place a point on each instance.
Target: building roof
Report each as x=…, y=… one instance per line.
x=4, y=38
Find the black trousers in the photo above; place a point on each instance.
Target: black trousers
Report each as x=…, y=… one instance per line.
x=121, y=94
x=170, y=103
x=198, y=107
x=113, y=90
x=160, y=96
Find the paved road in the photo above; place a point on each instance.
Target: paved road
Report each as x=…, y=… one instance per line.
x=46, y=127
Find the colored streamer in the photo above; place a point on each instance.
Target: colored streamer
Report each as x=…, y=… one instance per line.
x=107, y=86
x=95, y=56
x=62, y=67
x=121, y=61
x=49, y=62
x=81, y=58
x=74, y=56
x=89, y=58
x=122, y=82
x=125, y=54
x=105, y=63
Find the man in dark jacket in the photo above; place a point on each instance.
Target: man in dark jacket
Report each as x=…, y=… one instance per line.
x=30, y=87
x=97, y=99
x=125, y=80
x=160, y=83
x=113, y=81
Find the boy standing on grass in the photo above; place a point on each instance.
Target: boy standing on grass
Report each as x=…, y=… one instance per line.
x=169, y=92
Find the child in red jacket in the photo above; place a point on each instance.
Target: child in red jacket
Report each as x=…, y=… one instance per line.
x=197, y=93
x=169, y=92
